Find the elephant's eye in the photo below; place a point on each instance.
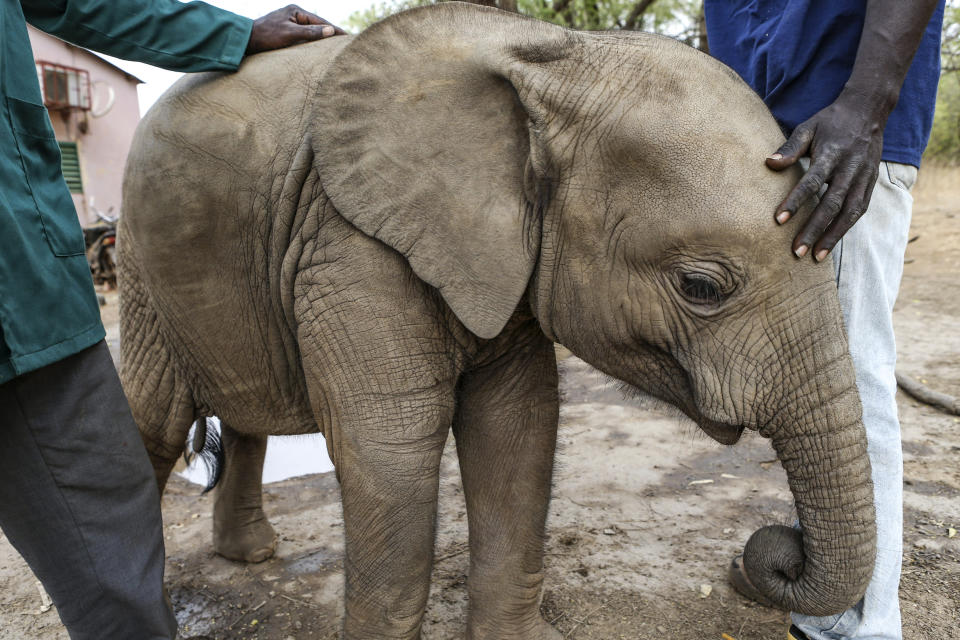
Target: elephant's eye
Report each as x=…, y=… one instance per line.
x=700, y=289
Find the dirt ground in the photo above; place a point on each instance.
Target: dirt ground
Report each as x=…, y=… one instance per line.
x=646, y=512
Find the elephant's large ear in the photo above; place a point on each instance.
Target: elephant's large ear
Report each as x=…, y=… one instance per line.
x=422, y=138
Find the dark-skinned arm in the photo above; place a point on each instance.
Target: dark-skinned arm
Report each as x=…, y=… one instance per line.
x=845, y=139
x=286, y=27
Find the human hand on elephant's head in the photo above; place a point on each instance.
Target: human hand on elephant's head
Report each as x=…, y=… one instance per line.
x=287, y=27
x=844, y=142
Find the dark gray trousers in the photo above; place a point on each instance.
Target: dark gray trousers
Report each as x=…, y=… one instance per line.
x=79, y=501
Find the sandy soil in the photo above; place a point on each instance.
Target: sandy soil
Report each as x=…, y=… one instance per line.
x=638, y=545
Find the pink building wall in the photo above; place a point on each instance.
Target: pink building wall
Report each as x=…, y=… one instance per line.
x=102, y=142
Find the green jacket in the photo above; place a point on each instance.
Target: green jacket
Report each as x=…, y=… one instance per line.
x=48, y=309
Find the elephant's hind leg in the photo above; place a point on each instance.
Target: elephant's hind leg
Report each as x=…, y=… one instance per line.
x=163, y=412
x=241, y=530
x=161, y=402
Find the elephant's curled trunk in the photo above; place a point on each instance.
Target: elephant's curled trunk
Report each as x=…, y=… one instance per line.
x=824, y=567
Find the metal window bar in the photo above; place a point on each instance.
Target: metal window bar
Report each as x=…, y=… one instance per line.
x=64, y=87
x=70, y=164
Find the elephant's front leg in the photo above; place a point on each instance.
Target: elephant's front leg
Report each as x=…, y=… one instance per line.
x=387, y=455
x=506, y=428
x=241, y=530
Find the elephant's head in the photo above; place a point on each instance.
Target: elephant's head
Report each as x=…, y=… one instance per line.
x=618, y=181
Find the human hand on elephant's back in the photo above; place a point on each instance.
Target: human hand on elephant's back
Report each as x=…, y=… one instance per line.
x=844, y=142
x=287, y=27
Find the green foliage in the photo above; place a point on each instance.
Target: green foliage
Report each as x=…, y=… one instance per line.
x=945, y=138
x=360, y=20
x=950, y=47
x=678, y=18
x=660, y=16
x=944, y=144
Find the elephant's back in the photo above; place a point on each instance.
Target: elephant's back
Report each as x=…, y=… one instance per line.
x=216, y=137
x=206, y=163
x=207, y=166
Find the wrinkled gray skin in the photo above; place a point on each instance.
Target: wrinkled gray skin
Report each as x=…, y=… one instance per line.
x=380, y=237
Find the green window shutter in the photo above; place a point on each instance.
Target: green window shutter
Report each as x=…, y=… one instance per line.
x=70, y=163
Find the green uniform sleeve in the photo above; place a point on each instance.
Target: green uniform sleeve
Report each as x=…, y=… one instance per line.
x=192, y=36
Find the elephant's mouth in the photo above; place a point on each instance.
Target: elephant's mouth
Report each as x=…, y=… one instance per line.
x=722, y=433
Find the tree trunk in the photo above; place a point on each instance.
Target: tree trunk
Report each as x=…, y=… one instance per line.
x=702, y=41
x=636, y=13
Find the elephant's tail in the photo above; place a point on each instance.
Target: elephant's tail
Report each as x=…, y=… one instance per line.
x=207, y=445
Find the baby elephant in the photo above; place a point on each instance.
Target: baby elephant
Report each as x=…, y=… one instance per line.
x=380, y=238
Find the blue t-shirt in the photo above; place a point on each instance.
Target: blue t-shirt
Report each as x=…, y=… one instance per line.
x=798, y=55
